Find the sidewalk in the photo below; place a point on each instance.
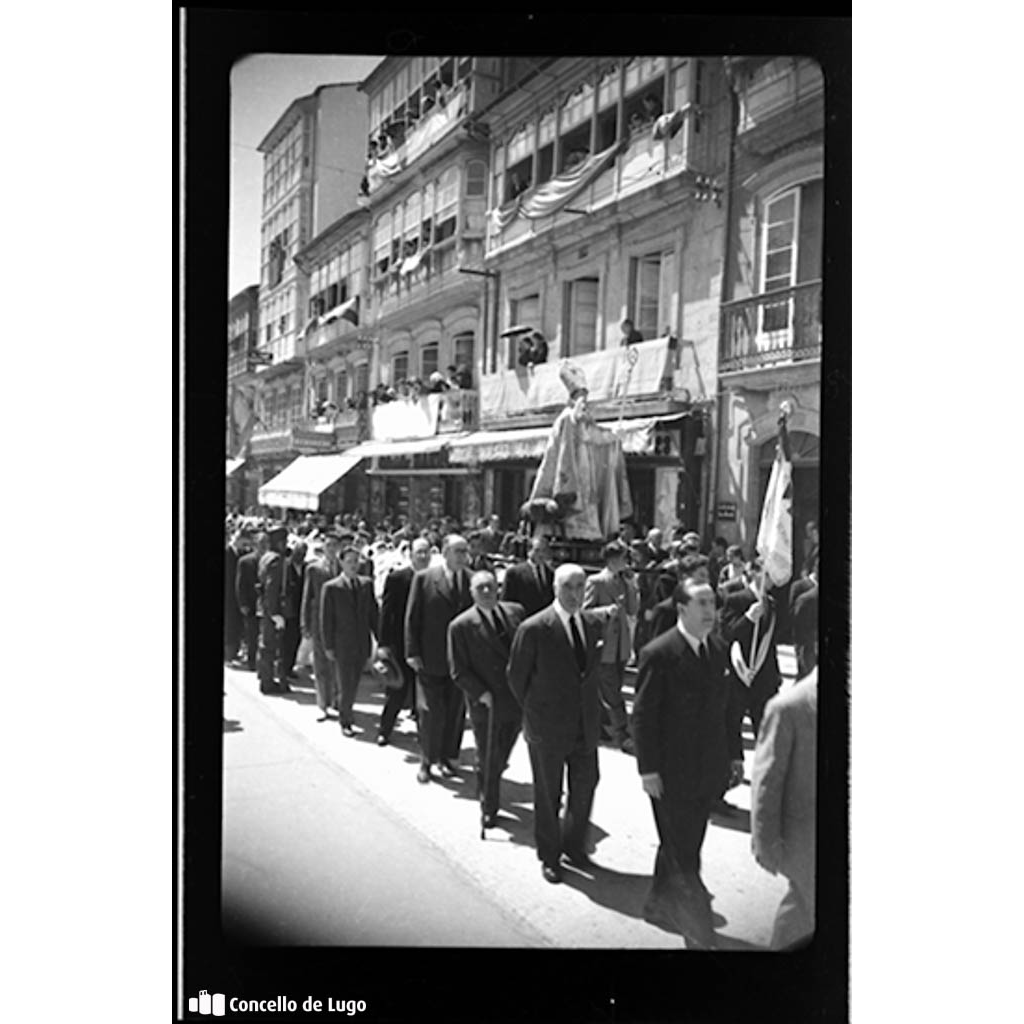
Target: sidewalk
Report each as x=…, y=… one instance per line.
x=599, y=910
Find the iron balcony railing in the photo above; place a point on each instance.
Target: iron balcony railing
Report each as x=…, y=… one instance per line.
x=776, y=327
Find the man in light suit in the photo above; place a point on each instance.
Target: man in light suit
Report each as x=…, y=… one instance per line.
x=782, y=802
x=394, y=602
x=348, y=624
x=688, y=745
x=616, y=585
x=319, y=572
x=436, y=596
x=530, y=583
x=479, y=642
x=553, y=674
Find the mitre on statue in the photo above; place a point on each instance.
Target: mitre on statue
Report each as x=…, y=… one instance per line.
x=573, y=377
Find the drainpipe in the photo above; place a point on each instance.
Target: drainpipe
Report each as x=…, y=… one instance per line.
x=718, y=410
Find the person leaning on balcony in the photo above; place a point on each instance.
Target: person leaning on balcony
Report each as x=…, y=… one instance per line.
x=630, y=335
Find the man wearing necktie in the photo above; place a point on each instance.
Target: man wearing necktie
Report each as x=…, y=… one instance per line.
x=529, y=583
x=319, y=572
x=553, y=674
x=479, y=641
x=436, y=596
x=686, y=728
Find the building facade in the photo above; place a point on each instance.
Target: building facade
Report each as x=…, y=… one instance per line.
x=314, y=159
x=771, y=315
x=243, y=332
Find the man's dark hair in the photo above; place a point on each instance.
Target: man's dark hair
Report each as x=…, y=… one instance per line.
x=690, y=564
x=614, y=549
x=720, y=542
x=346, y=548
x=474, y=535
x=681, y=594
x=732, y=550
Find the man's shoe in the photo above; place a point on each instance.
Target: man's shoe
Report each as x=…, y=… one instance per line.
x=324, y=716
x=578, y=859
x=423, y=775
x=347, y=730
x=489, y=820
x=448, y=770
x=292, y=674
x=382, y=741
x=552, y=873
x=282, y=687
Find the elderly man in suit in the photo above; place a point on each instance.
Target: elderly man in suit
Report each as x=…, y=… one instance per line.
x=479, y=643
x=348, y=624
x=782, y=802
x=270, y=612
x=685, y=725
x=616, y=585
x=394, y=601
x=318, y=573
x=235, y=549
x=436, y=596
x=245, y=592
x=530, y=583
x=553, y=674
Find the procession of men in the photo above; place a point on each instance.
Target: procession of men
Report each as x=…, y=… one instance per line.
x=522, y=646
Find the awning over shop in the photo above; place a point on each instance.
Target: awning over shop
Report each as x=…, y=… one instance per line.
x=233, y=465
x=411, y=446
x=529, y=443
x=300, y=483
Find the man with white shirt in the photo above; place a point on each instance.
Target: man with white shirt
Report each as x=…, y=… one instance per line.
x=688, y=746
x=436, y=596
x=553, y=674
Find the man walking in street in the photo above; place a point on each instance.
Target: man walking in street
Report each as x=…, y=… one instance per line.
x=270, y=612
x=436, y=596
x=685, y=725
x=553, y=674
x=294, y=579
x=479, y=642
x=782, y=804
x=530, y=583
x=319, y=572
x=616, y=585
x=236, y=548
x=348, y=625
x=394, y=602
x=246, y=577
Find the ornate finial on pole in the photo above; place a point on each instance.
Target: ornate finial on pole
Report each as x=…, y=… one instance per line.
x=786, y=409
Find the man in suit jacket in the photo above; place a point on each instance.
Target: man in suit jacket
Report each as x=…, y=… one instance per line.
x=436, y=596
x=553, y=674
x=616, y=585
x=686, y=730
x=394, y=602
x=665, y=613
x=270, y=612
x=294, y=579
x=530, y=583
x=782, y=802
x=741, y=610
x=236, y=548
x=318, y=573
x=348, y=624
x=245, y=591
x=479, y=643
x=804, y=618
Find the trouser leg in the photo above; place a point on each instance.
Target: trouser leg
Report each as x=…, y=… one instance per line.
x=505, y=735
x=547, y=767
x=289, y=646
x=324, y=677
x=583, y=777
x=454, y=715
x=252, y=631
x=232, y=633
x=430, y=721
x=267, y=653
x=395, y=701
x=794, y=920
x=614, y=721
x=349, y=673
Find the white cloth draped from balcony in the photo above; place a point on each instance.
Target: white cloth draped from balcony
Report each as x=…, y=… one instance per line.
x=348, y=310
x=406, y=417
x=609, y=377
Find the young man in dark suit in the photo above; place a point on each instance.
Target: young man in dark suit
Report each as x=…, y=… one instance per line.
x=294, y=579
x=553, y=673
x=348, y=623
x=245, y=591
x=270, y=612
x=530, y=583
x=479, y=642
x=394, y=602
x=688, y=745
x=436, y=596
x=236, y=549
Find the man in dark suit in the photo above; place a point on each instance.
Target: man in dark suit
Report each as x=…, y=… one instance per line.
x=553, y=673
x=530, y=583
x=348, y=624
x=665, y=614
x=492, y=535
x=782, y=804
x=436, y=596
x=479, y=561
x=270, y=612
x=236, y=548
x=688, y=745
x=394, y=602
x=479, y=642
x=318, y=573
x=803, y=615
x=294, y=578
x=245, y=591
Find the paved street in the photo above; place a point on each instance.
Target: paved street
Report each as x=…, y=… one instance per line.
x=330, y=840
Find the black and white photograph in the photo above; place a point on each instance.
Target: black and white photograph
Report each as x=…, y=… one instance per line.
x=534, y=455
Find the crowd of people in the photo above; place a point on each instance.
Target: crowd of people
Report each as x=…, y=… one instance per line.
x=484, y=622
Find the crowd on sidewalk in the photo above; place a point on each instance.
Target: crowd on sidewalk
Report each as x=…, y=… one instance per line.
x=482, y=622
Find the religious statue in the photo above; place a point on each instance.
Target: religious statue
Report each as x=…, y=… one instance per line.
x=583, y=469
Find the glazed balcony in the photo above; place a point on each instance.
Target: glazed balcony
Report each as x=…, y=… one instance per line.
x=766, y=330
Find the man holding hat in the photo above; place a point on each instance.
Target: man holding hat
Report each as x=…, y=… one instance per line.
x=270, y=612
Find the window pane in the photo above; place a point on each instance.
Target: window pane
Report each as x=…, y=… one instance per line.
x=779, y=264
x=780, y=236
x=782, y=209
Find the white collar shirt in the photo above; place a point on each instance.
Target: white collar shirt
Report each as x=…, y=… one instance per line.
x=564, y=616
x=693, y=641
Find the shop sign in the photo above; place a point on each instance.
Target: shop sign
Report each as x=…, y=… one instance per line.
x=726, y=510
